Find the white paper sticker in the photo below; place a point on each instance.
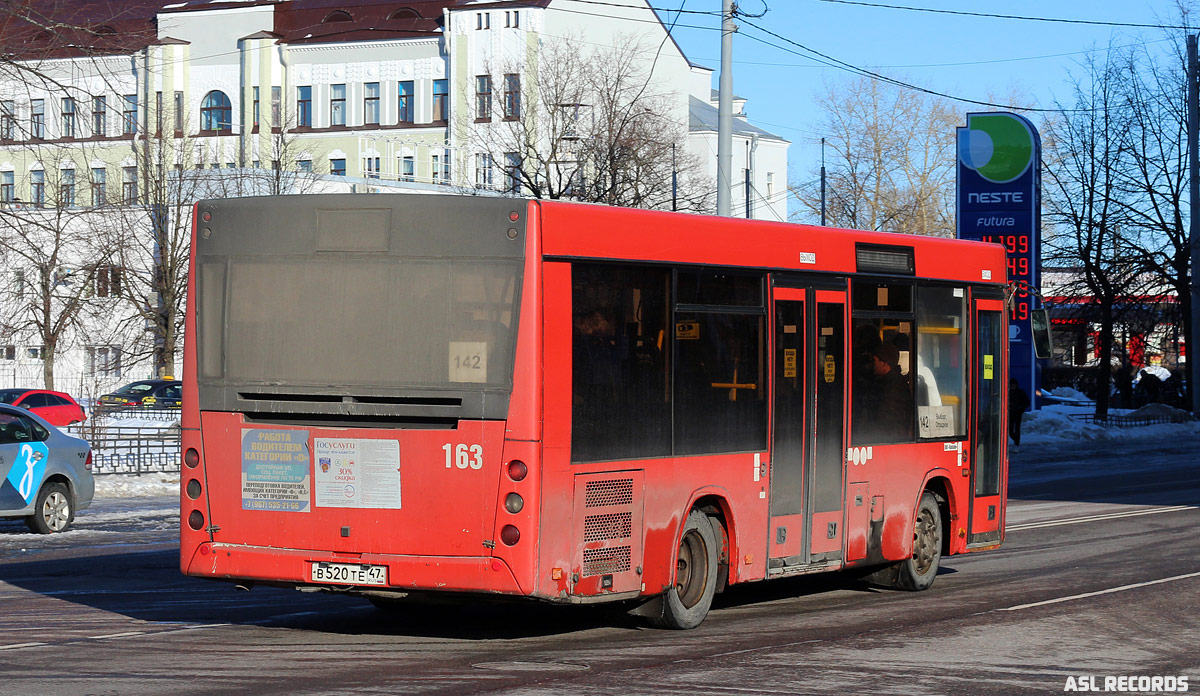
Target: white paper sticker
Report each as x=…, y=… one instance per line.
x=468, y=361
x=936, y=421
x=808, y=257
x=357, y=473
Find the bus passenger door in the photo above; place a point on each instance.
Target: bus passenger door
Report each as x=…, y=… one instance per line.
x=987, y=437
x=808, y=443
x=789, y=435
x=828, y=433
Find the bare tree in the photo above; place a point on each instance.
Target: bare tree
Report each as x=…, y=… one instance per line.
x=892, y=163
x=593, y=127
x=1087, y=159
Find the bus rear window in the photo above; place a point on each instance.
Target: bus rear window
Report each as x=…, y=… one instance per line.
x=384, y=322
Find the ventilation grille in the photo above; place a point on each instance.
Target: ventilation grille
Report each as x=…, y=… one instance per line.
x=618, y=525
x=608, y=493
x=614, y=559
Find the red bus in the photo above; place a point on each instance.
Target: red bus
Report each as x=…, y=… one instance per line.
x=401, y=395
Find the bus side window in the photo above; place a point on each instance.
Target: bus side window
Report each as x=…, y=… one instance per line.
x=620, y=402
x=941, y=362
x=883, y=373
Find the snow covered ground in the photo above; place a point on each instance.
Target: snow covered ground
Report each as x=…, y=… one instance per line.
x=1054, y=423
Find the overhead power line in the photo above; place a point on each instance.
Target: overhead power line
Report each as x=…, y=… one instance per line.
x=1094, y=22
x=832, y=62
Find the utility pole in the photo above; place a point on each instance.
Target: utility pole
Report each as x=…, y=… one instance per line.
x=725, y=112
x=1193, y=342
x=822, y=182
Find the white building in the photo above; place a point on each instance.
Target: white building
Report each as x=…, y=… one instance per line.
x=288, y=96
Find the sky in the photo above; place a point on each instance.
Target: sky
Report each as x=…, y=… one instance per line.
x=965, y=56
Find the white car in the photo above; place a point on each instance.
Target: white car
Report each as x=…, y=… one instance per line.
x=45, y=474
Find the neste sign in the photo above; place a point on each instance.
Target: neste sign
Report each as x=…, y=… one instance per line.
x=999, y=201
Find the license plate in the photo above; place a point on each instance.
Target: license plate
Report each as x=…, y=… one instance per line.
x=348, y=574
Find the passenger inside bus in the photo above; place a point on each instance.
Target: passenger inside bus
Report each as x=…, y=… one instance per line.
x=891, y=401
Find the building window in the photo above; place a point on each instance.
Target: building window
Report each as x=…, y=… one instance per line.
x=405, y=104
x=129, y=115
x=34, y=352
x=483, y=97
x=66, y=187
x=8, y=352
x=512, y=96
x=371, y=104
x=276, y=108
x=512, y=19
x=483, y=170
x=512, y=172
x=216, y=112
x=68, y=117
x=108, y=281
x=337, y=167
x=441, y=101
x=483, y=20
x=158, y=113
x=304, y=106
x=8, y=120
x=304, y=165
x=99, y=179
x=100, y=117
x=37, y=187
x=179, y=112
x=371, y=167
x=8, y=187
x=435, y=168
x=129, y=192
x=104, y=361
x=37, y=118
x=407, y=168
x=337, y=105
x=255, y=111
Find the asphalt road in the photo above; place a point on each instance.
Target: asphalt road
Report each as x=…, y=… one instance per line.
x=1100, y=577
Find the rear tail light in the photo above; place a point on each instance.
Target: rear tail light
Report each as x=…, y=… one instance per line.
x=510, y=535
x=193, y=489
x=87, y=464
x=196, y=520
x=513, y=503
x=191, y=457
x=517, y=470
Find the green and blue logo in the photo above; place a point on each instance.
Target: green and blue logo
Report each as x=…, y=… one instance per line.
x=998, y=147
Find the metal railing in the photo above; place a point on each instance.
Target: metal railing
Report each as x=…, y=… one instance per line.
x=1131, y=420
x=121, y=448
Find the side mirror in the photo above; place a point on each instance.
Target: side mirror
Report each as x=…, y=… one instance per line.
x=1043, y=344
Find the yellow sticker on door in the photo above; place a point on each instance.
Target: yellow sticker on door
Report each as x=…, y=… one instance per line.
x=988, y=366
x=789, y=362
x=830, y=369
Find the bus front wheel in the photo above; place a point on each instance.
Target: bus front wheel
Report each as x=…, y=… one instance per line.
x=686, y=603
x=918, y=571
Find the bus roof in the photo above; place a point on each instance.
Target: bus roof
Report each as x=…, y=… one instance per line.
x=577, y=230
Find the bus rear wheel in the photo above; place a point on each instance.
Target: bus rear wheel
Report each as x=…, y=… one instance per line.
x=687, y=602
x=918, y=572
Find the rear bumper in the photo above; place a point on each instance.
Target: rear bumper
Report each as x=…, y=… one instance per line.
x=478, y=574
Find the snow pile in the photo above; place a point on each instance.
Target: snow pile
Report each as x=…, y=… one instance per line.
x=144, y=486
x=1054, y=423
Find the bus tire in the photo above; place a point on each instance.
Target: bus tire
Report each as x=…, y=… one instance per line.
x=918, y=572
x=687, y=602
x=54, y=510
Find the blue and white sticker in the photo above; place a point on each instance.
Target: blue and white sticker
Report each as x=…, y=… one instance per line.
x=29, y=469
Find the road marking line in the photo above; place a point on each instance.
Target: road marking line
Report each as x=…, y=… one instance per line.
x=118, y=635
x=1098, y=518
x=1122, y=588
x=14, y=646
